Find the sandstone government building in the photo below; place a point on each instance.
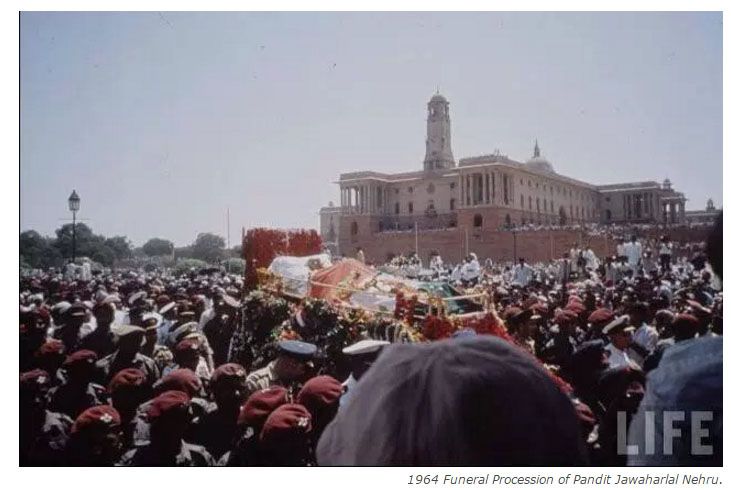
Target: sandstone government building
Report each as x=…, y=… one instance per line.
x=472, y=206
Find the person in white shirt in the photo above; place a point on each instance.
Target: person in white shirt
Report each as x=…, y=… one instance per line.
x=436, y=263
x=666, y=253
x=471, y=270
x=633, y=252
x=362, y=355
x=620, y=338
x=522, y=274
x=591, y=259
x=645, y=335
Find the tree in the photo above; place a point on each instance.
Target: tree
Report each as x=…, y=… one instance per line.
x=37, y=251
x=208, y=247
x=121, y=247
x=156, y=247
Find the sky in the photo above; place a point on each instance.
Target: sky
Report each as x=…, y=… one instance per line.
x=164, y=121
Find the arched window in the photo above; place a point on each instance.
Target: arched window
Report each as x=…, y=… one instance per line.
x=477, y=221
x=354, y=228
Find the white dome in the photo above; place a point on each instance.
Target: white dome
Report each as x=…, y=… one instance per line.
x=540, y=164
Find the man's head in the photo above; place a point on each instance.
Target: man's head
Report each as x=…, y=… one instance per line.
x=187, y=353
x=363, y=354
x=96, y=436
x=620, y=332
x=130, y=339
x=684, y=326
x=128, y=389
x=228, y=386
x=34, y=386
x=639, y=313
x=80, y=366
x=293, y=361
x=169, y=417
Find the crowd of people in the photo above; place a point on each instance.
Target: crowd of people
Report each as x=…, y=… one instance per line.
x=151, y=369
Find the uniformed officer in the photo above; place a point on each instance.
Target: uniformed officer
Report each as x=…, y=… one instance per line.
x=289, y=368
x=70, y=332
x=169, y=417
x=362, y=355
x=43, y=434
x=217, y=428
x=101, y=340
x=128, y=355
x=96, y=437
x=285, y=437
x=128, y=390
x=78, y=392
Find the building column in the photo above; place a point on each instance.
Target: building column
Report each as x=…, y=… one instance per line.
x=682, y=212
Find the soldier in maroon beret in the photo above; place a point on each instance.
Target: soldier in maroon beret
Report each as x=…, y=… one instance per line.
x=128, y=390
x=43, y=434
x=598, y=319
x=285, y=436
x=321, y=396
x=49, y=357
x=183, y=380
x=78, y=392
x=96, y=437
x=169, y=416
x=250, y=421
x=217, y=428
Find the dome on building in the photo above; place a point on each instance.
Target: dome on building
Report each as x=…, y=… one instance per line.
x=438, y=98
x=538, y=162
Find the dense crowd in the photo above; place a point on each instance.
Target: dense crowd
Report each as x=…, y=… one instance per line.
x=152, y=369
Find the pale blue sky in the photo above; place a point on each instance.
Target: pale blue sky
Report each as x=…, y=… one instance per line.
x=161, y=121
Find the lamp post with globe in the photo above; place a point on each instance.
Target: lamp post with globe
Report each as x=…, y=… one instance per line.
x=74, y=205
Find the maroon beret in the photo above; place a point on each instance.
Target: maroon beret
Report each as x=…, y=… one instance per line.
x=260, y=404
x=685, y=322
x=183, y=380
x=99, y=417
x=51, y=347
x=287, y=423
x=167, y=402
x=81, y=357
x=129, y=377
x=576, y=307
x=320, y=392
x=600, y=316
x=228, y=372
x=563, y=317
x=188, y=345
x=36, y=377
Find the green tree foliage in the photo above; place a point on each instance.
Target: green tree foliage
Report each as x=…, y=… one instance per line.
x=43, y=252
x=157, y=247
x=208, y=247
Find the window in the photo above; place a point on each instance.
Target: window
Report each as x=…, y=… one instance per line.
x=521, y=183
x=411, y=190
x=538, y=205
x=551, y=190
x=430, y=189
x=453, y=185
x=552, y=206
x=452, y=204
x=507, y=220
x=522, y=202
x=545, y=208
x=530, y=202
x=477, y=221
x=430, y=206
x=395, y=191
x=411, y=208
x=608, y=215
x=379, y=197
x=397, y=208
x=608, y=199
x=530, y=184
x=353, y=228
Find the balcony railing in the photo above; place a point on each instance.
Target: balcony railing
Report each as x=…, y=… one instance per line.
x=433, y=221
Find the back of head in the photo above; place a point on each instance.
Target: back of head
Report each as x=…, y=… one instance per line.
x=474, y=402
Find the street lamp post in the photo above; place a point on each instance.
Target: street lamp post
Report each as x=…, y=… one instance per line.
x=74, y=204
